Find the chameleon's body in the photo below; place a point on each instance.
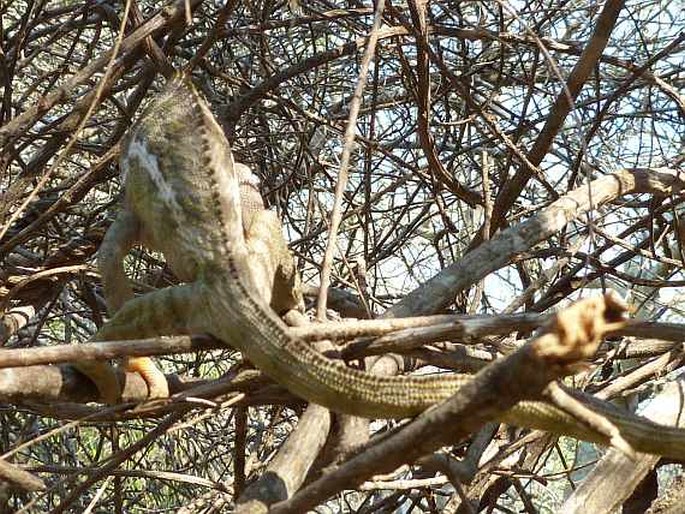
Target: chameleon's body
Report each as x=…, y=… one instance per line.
x=275, y=275
x=183, y=190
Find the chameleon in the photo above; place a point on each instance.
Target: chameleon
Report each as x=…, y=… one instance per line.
x=278, y=279
x=183, y=198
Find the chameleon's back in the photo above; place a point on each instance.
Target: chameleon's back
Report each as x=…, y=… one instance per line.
x=177, y=167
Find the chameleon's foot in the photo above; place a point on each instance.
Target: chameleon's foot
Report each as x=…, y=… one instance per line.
x=104, y=377
x=154, y=378
x=294, y=318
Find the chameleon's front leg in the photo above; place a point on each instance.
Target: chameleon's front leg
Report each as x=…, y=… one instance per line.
x=118, y=240
x=272, y=266
x=120, y=237
x=169, y=311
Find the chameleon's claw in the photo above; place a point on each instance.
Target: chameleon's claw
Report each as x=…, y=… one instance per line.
x=106, y=379
x=154, y=378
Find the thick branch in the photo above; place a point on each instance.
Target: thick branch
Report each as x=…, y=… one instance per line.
x=562, y=106
x=439, y=291
x=492, y=391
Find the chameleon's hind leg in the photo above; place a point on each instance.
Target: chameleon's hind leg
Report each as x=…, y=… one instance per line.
x=168, y=311
x=273, y=269
x=121, y=236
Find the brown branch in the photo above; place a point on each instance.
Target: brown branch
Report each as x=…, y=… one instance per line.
x=235, y=110
x=62, y=392
x=117, y=459
x=400, y=334
x=493, y=390
x=20, y=478
x=163, y=19
x=287, y=471
x=105, y=350
x=617, y=475
x=562, y=106
x=439, y=291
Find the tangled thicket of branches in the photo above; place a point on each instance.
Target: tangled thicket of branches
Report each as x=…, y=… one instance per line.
x=469, y=118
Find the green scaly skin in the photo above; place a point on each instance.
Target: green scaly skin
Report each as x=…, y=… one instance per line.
x=183, y=189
